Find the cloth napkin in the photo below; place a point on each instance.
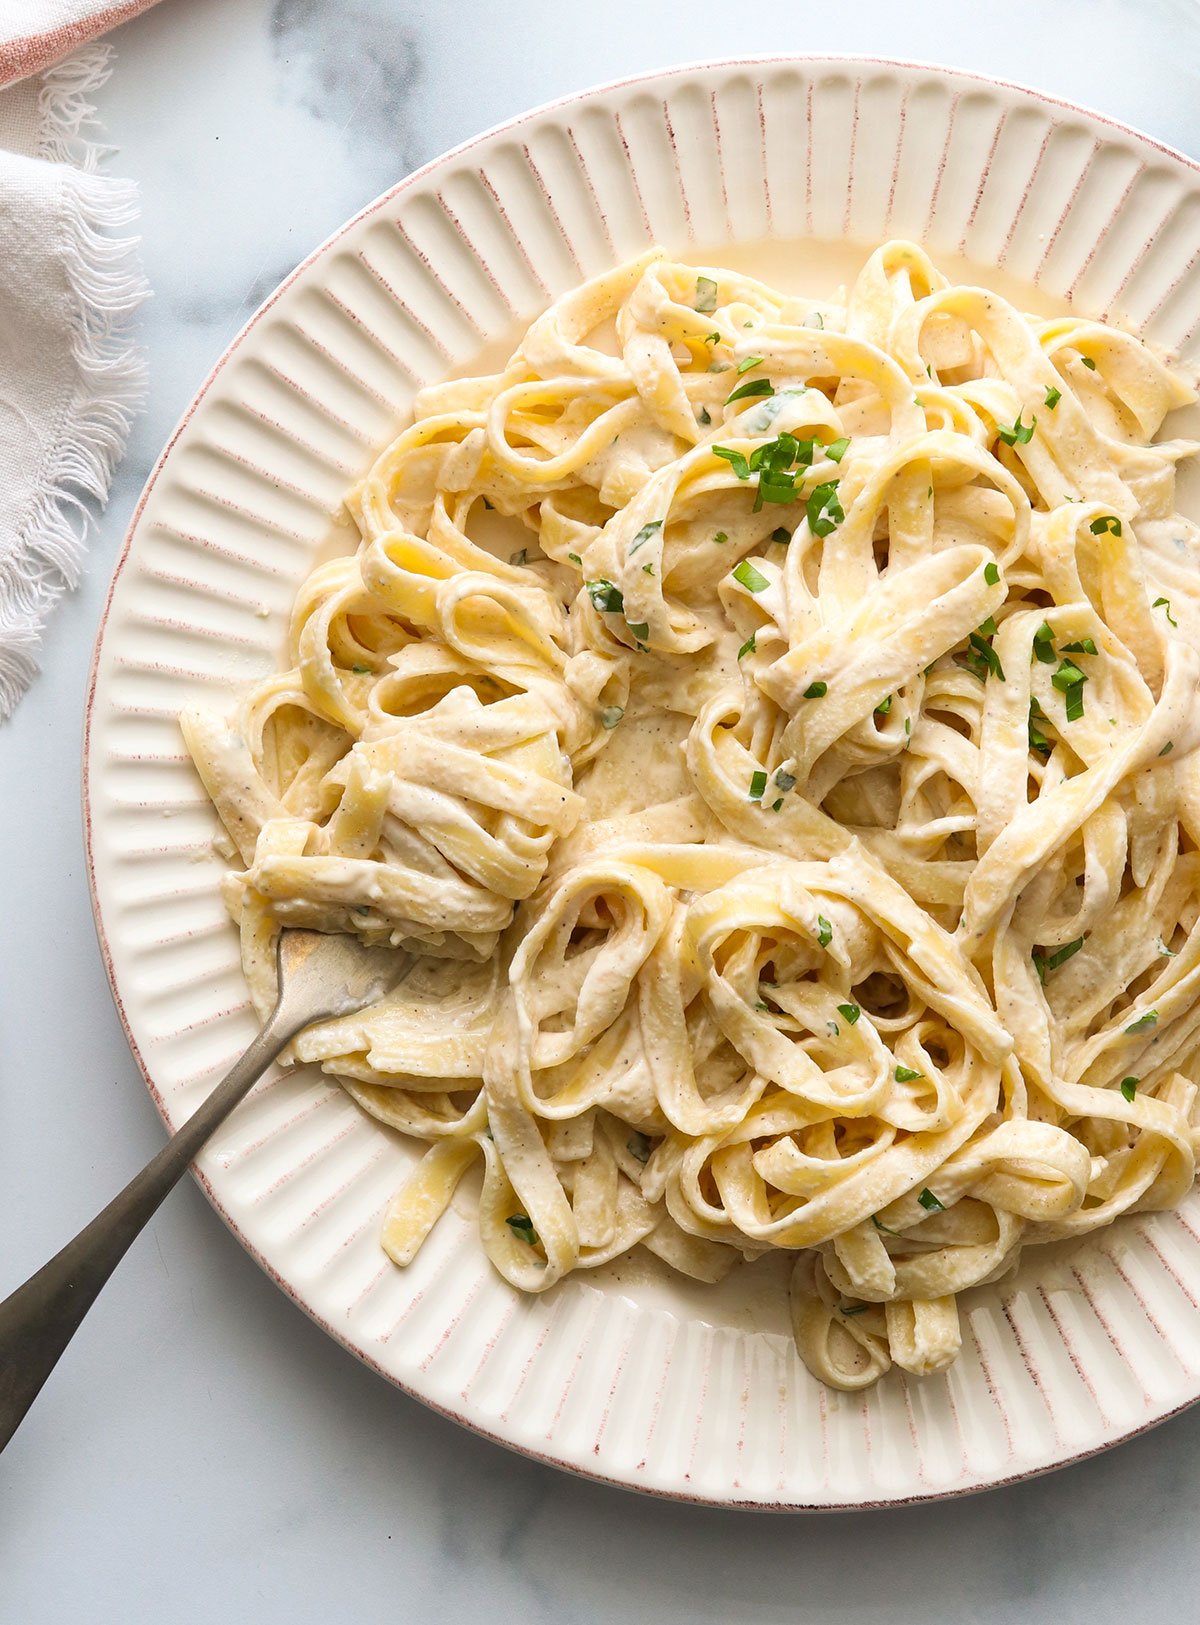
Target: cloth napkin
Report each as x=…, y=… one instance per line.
x=35, y=34
x=70, y=379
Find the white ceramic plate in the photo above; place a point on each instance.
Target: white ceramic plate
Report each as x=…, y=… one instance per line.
x=680, y=1390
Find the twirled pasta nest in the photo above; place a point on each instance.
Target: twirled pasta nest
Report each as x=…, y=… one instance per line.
x=771, y=722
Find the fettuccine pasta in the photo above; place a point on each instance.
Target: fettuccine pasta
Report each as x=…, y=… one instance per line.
x=771, y=723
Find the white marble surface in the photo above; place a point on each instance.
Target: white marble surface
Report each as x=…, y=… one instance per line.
x=204, y=1452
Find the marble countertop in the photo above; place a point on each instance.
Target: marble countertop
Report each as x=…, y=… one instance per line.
x=204, y=1452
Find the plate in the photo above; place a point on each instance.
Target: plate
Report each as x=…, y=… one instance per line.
x=796, y=167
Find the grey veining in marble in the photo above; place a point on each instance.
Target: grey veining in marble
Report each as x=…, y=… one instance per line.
x=204, y=1453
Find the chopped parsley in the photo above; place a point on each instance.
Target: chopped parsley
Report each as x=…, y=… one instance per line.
x=850, y=1011
x=876, y=1222
x=782, y=535
x=748, y=647
x=816, y=691
x=1053, y=396
x=1069, y=681
x=776, y=805
x=1043, y=644
x=704, y=418
x=1129, y=1087
x=639, y=629
x=1088, y=362
x=1160, y=603
x=644, y=535
x=638, y=1147
x=1061, y=955
x=574, y=558
x=611, y=715
x=991, y=574
x=836, y=449
x=752, y=386
x=648, y=569
x=1081, y=646
x=823, y=510
x=1106, y=521
x=758, y=784
x=522, y=1227
x=706, y=295
x=884, y=706
x=824, y=931
x=735, y=460
x=1018, y=433
x=753, y=580
x=986, y=658
x=720, y=537
x=1167, y=748
x=1037, y=739
x=905, y=1074
x=712, y=338
x=361, y=670
x=930, y=1202
x=785, y=781
x=750, y=361
x=607, y=598
x=854, y=1308
x=1144, y=1023
x=521, y=556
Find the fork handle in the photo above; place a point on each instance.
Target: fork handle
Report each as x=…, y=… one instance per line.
x=40, y=1318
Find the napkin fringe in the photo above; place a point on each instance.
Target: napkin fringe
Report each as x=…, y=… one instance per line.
x=105, y=276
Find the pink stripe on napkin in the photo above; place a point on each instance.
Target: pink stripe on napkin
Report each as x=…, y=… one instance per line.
x=68, y=26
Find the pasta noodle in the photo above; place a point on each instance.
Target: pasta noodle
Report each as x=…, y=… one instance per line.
x=798, y=831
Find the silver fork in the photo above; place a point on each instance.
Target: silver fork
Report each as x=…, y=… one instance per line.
x=319, y=976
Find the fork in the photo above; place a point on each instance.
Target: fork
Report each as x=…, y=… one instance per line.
x=320, y=976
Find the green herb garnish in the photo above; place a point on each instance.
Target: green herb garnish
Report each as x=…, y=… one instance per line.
x=1106, y=521
x=816, y=691
x=1081, y=646
x=1061, y=955
x=824, y=931
x=1159, y=603
x=988, y=657
x=521, y=556
x=1053, y=396
x=930, y=1202
x=850, y=1011
x=611, y=715
x=750, y=361
x=836, y=449
x=1167, y=748
x=785, y=781
x=1088, y=362
x=644, y=535
x=905, y=1074
x=1019, y=433
x=704, y=418
x=823, y=510
x=361, y=670
x=720, y=537
x=758, y=784
x=523, y=1227
x=735, y=460
x=748, y=647
x=991, y=574
x=753, y=580
x=752, y=386
x=1043, y=644
x=884, y=706
x=1144, y=1023
x=575, y=559
x=706, y=295
x=1129, y=1087
x=783, y=536
x=607, y=598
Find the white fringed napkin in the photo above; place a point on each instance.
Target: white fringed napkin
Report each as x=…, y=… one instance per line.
x=70, y=381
